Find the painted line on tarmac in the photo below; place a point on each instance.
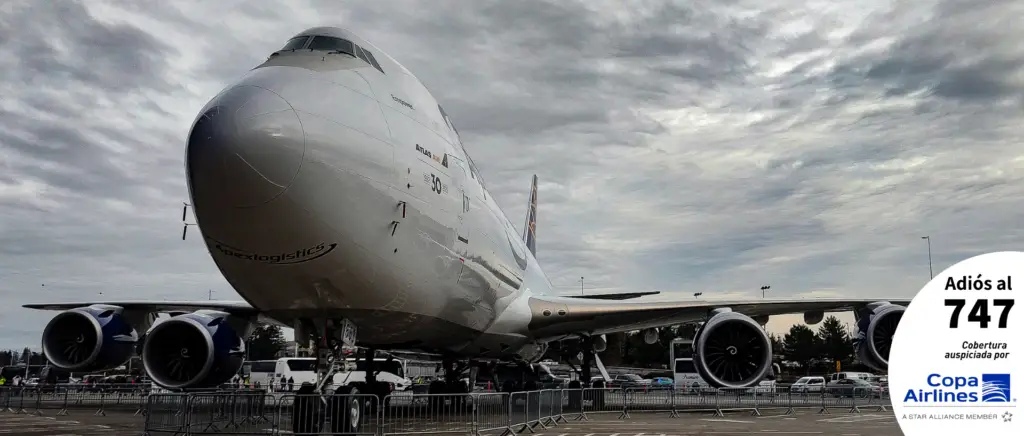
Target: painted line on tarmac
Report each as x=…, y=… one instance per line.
x=40, y=429
x=858, y=418
x=761, y=432
x=726, y=420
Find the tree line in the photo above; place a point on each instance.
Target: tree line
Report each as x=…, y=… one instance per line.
x=15, y=357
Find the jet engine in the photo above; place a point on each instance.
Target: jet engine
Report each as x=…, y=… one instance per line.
x=86, y=339
x=731, y=350
x=876, y=326
x=193, y=350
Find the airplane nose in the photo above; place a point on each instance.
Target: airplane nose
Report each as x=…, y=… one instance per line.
x=246, y=149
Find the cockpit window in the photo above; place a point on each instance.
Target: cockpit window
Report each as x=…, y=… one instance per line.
x=444, y=115
x=372, y=60
x=472, y=166
x=330, y=43
x=296, y=43
x=362, y=55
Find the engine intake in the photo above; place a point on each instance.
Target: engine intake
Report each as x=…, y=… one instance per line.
x=194, y=350
x=86, y=339
x=731, y=350
x=876, y=326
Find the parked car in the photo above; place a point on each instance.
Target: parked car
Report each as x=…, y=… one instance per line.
x=853, y=387
x=630, y=381
x=662, y=382
x=806, y=385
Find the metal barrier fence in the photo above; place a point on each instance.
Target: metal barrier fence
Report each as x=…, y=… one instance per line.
x=95, y=398
x=258, y=412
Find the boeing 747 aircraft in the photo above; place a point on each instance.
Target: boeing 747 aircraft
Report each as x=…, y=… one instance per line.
x=334, y=194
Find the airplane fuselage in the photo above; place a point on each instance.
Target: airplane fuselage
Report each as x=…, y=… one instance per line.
x=325, y=186
x=329, y=185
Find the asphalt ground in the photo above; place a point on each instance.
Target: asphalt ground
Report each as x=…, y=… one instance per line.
x=79, y=425
x=801, y=422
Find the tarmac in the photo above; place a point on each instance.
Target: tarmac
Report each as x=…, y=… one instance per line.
x=82, y=425
x=802, y=422
x=661, y=424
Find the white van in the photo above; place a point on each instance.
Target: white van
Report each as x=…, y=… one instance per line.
x=393, y=373
x=303, y=370
x=866, y=376
x=808, y=385
x=269, y=372
x=685, y=377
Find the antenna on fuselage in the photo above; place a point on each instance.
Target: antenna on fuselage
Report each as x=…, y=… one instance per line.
x=184, y=213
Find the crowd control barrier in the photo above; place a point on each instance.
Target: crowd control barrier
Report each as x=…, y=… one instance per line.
x=241, y=411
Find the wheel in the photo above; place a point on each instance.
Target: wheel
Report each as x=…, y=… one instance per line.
x=347, y=410
x=459, y=394
x=435, y=392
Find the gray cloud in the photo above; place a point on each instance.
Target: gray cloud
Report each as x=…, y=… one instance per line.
x=693, y=147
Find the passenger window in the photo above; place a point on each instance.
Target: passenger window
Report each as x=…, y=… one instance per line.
x=295, y=43
x=332, y=44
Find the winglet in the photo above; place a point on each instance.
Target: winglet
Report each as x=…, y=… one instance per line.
x=530, y=228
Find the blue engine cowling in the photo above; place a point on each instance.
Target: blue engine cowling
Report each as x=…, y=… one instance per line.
x=193, y=350
x=731, y=350
x=876, y=326
x=86, y=339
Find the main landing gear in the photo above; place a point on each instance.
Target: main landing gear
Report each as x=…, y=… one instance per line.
x=345, y=408
x=519, y=376
x=452, y=386
x=587, y=358
x=452, y=382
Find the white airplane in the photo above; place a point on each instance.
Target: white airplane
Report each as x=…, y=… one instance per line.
x=334, y=194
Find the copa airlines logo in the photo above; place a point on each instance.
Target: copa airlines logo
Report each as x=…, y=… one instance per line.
x=284, y=258
x=989, y=388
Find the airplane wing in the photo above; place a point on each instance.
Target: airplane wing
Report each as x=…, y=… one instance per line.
x=622, y=296
x=556, y=316
x=240, y=308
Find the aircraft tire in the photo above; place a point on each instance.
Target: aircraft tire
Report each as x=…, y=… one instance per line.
x=347, y=410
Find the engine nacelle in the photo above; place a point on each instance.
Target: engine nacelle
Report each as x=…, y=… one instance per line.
x=731, y=350
x=194, y=350
x=650, y=336
x=600, y=343
x=812, y=318
x=876, y=326
x=86, y=339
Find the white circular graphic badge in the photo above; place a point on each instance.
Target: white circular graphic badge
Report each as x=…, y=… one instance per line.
x=957, y=359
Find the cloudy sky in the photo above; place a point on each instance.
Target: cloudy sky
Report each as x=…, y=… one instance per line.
x=708, y=146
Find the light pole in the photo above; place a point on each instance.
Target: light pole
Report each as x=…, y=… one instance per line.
x=581, y=285
x=697, y=294
x=764, y=288
x=931, y=275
